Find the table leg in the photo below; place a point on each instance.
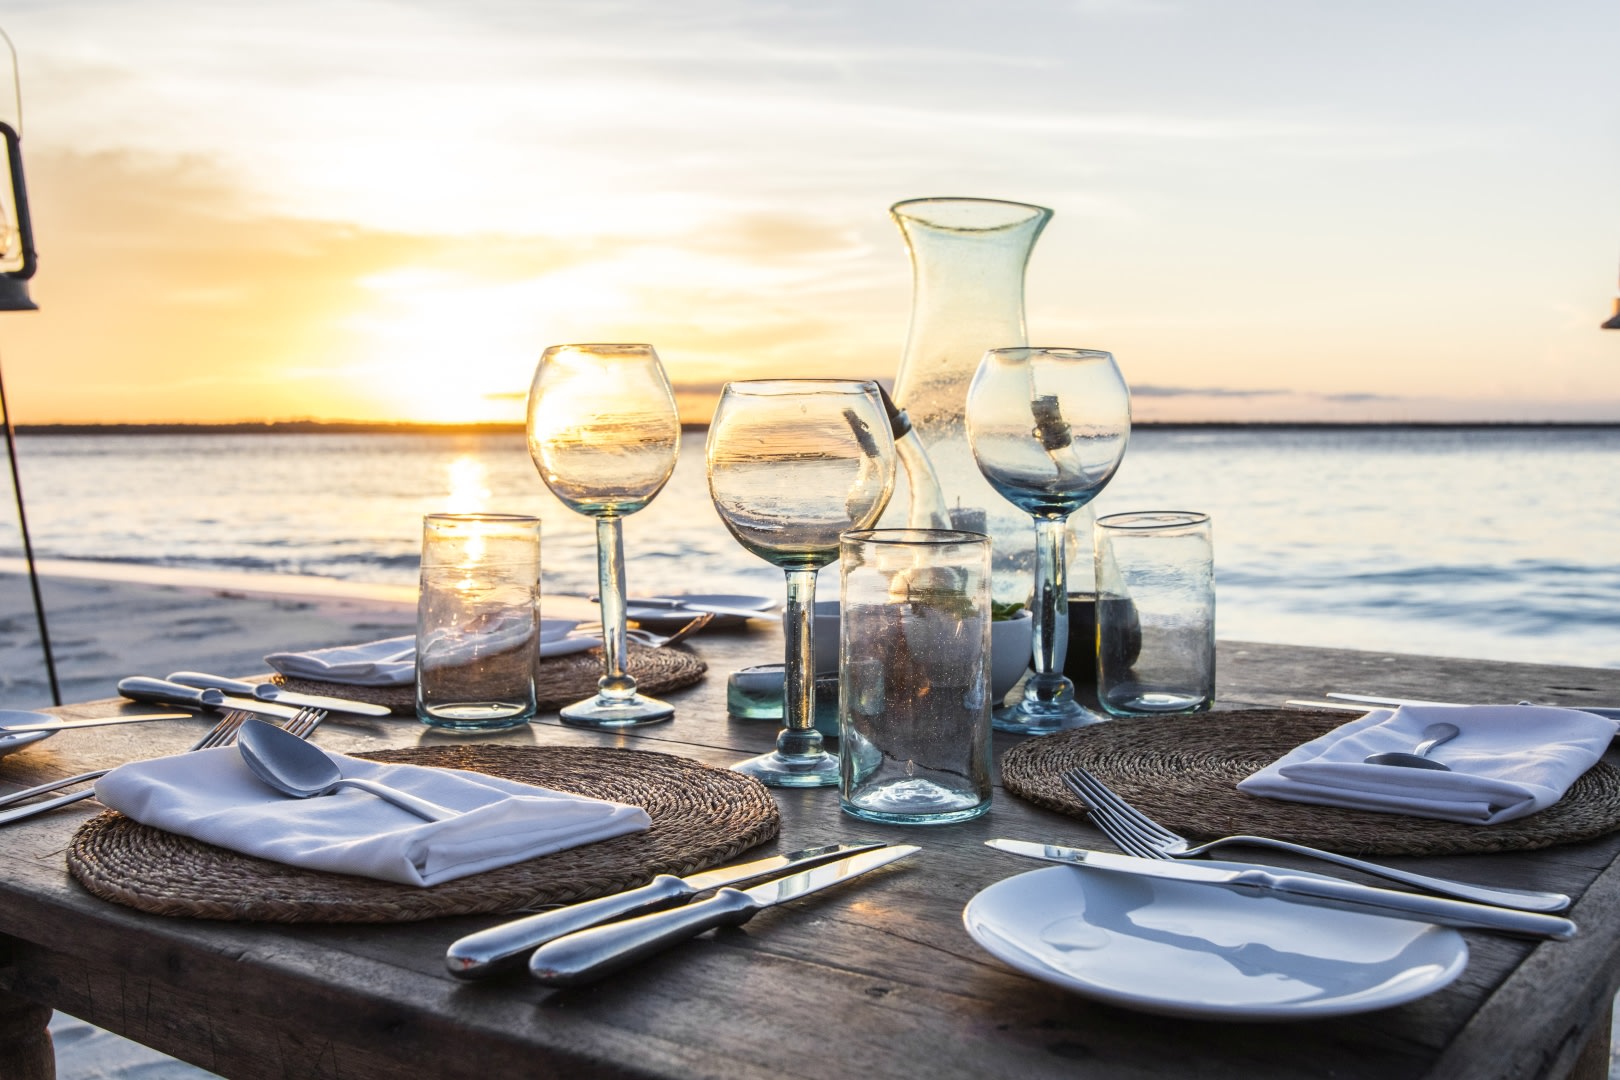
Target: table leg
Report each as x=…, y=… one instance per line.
x=1593, y=1064
x=25, y=1044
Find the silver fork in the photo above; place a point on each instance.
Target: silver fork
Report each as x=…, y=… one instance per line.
x=221, y=734
x=657, y=641
x=1137, y=834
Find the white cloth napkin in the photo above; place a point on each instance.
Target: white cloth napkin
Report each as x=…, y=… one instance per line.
x=210, y=795
x=392, y=662
x=1507, y=762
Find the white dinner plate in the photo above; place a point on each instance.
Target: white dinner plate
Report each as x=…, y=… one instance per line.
x=9, y=717
x=1185, y=949
x=663, y=620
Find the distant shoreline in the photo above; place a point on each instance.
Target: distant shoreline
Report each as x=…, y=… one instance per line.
x=342, y=427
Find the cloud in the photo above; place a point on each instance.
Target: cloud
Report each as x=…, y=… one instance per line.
x=1361, y=398
x=1202, y=391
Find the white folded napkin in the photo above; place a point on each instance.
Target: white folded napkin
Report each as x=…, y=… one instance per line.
x=210, y=795
x=392, y=662
x=1507, y=762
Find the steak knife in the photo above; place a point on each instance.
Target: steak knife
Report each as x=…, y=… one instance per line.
x=1316, y=891
x=587, y=955
x=267, y=691
x=158, y=691
x=503, y=947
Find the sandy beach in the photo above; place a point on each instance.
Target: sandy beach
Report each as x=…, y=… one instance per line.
x=107, y=621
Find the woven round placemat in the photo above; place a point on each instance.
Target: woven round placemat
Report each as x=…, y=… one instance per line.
x=1183, y=771
x=701, y=817
x=561, y=680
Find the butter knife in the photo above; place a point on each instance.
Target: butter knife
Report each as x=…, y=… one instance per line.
x=1315, y=891
x=158, y=691
x=1390, y=702
x=271, y=692
x=24, y=729
x=500, y=948
x=587, y=955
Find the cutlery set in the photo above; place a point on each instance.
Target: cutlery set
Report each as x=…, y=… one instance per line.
x=555, y=958
x=1137, y=834
x=209, y=692
x=302, y=724
x=300, y=715
x=1313, y=889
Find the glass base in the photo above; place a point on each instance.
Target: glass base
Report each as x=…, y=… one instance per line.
x=1134, y=699
x=916, y=802
x=475, y=716
x=604, y=712
x=1043, y=717
x=780, y=770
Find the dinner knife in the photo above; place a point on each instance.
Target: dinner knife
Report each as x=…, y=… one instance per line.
x=587, y=955
x=158, y=691
x=1611, y=714
x=503, y=947
x=1315, y=891
x=23, y=729
x=267, y=691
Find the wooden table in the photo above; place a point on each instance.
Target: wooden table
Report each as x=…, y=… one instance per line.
x=876, y=978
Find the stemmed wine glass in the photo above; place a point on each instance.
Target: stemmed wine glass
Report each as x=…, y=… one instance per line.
x=1048, y=429
x=794, y=464
x=604, y=433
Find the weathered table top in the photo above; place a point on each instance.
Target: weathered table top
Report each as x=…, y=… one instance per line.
x=876, y=978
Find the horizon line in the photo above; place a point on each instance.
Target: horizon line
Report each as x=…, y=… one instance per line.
x=412, y=427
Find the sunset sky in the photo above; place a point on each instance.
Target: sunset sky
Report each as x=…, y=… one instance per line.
x=386, y=210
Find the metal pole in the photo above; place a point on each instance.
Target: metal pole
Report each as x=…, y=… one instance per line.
x=28, y=548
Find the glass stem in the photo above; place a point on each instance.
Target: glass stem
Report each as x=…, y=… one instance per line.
x=615, y=683
x=1051, y=597
x=799, y=737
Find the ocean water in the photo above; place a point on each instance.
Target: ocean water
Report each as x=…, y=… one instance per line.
x=1493, y=543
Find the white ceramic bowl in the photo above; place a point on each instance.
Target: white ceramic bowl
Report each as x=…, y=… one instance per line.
x=1010, y=651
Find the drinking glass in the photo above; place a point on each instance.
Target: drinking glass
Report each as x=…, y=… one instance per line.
x=604, y=433
x=1048, y=429
x=794, y=464
x=478, y=621
x=914, y=687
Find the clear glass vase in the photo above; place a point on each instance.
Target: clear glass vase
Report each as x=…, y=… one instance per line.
x=968, y=258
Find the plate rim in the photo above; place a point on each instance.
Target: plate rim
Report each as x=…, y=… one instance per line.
x=736, y=600
x=1341, y=1005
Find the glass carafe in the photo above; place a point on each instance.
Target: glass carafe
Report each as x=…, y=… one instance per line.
x=968, y=258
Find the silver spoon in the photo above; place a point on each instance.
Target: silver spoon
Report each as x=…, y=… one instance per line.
x=1433, y=736
x=294, y=767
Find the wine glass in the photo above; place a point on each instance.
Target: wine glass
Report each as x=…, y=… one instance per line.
x=604, y=433
x=1048, y=429
x=794, y=464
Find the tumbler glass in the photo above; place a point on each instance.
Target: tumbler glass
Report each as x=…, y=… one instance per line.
x=478, y=621
x=914, y=675
x=1155, y=613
